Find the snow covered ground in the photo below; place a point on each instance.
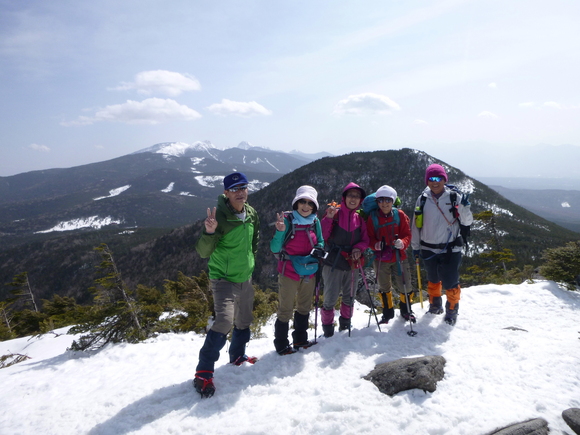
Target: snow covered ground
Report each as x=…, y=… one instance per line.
x=493, y=377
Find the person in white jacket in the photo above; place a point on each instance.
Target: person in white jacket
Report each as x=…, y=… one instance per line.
x=436, y=238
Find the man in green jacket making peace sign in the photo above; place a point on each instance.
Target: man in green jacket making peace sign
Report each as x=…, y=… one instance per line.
x=230, y=240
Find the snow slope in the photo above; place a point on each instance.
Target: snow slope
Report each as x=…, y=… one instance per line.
x=493, y=377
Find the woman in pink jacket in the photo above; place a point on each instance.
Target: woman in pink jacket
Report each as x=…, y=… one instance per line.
x=346, y=238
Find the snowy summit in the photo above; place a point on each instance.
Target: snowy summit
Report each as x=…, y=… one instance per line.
x=512, y=356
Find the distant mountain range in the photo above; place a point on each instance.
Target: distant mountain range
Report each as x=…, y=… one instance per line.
x=148, y=207
x=559, y=206
x=163, y=186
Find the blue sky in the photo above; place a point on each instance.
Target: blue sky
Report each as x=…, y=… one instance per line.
x=88, y=81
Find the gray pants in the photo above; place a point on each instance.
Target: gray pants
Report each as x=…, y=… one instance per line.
x=233, y=303
x=338, y=283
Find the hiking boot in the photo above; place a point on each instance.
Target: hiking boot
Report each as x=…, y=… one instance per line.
x=343, y=324
x=409, y=317
x=328, y=330
x=245, y=358
x=451, y=315
x=388, y=314
x=204, y=386
x=436, y=306
x=303, y=345
x=287, y=351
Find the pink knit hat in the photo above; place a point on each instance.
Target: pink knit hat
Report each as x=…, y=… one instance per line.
x=435, y=170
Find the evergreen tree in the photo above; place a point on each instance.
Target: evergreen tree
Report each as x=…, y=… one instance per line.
x=563, y=264
x=114, y=316
x=23, y=291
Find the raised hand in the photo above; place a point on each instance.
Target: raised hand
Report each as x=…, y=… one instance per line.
x=280, y=225
x=331, y=211
x=210, y=222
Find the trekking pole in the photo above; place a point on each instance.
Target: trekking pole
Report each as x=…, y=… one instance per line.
x=399, y=265
x=351, y=300
x=419, y=280
x=373, y=310
x=317, y=299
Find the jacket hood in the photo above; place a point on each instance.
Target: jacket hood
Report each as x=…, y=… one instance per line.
x=353, y=186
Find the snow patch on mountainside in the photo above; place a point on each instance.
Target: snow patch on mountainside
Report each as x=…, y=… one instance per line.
x=114, y=192
x=168, y=188
x=255, y=185
x=75, y=224
x=209, y=180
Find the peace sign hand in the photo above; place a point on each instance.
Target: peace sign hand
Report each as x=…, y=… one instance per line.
x=211, y=222
x=280, y=225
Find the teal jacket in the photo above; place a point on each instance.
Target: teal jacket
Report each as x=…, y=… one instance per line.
x=233, y=246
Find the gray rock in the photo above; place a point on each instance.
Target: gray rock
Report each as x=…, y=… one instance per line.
x=408, y=373
x=572, y=418
x=536, y=426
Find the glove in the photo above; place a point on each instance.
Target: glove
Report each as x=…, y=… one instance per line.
x=399, y=244
x=379, y=246
x=416, y=253
x=465, y=200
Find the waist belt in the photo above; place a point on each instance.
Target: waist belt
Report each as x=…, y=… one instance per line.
x=442, y=246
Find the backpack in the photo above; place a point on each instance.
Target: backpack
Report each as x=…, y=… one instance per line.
x=464, y=230
x=370, y=209
x=304, y=265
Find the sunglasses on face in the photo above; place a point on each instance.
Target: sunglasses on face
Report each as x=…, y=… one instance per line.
x=237, y=188
x=436, y=179
x=384, y=199
x=353, y=196
x=303, y=201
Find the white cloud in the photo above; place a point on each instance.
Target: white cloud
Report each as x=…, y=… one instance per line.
x=548, y=104
x=367, y=103
x=149, y=111
x=492, y=85
x=489, y=115
x=161, y=82
x=553, y=105
x=36, y=147
x=420, y=122
x=229, y=107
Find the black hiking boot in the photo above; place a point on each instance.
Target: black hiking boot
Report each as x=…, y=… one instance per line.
x=303, y=345
x=245, y=358
x=287, y=351
x=388, y=314
x=451, y=315
x=436, y=306
x=343, y=324
x=204, y=386
x=328, y=330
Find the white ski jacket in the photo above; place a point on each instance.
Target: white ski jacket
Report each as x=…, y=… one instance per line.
x=440, y=228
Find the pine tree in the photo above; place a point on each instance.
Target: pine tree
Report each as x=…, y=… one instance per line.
x=115, y=315
x=22, y=290
x=563, y=264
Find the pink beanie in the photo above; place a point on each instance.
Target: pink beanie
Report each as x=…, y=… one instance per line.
x=435, y=170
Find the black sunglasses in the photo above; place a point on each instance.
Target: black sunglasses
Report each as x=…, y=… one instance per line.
x=237, y=188
x=436, y=179
x=303, y=201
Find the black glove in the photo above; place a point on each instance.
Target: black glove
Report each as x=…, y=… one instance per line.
x=416, y=253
